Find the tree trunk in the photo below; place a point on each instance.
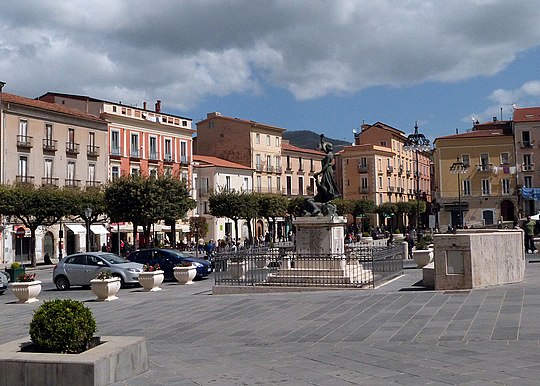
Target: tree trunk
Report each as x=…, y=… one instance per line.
x=173, y=234
x=250, y=231
x=236, y=229
x=32, y=249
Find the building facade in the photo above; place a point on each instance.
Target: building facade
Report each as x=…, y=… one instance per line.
x=485, y=192
x=299, y=166
x=46, y=144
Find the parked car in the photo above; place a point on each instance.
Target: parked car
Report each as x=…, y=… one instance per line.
x=168, y=259
x=78, y=269
x=4, y=280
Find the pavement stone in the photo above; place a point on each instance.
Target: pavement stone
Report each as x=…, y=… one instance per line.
x=399, y=333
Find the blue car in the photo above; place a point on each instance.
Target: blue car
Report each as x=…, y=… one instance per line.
x=168, y=259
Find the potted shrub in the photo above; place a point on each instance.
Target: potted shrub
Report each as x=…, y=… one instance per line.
x=26, y=288
x=105, y=286
x=63, y=326
x=151, y=277
x=185, y=272
x=398, y=236
x=14, y=270
x=366, y=238
x=422, y=253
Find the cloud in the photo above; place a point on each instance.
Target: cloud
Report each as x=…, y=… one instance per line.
x=185, y=51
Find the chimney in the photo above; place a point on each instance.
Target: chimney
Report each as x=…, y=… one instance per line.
x=494, y=119
x=158, y=106
x=144, y=105
x=213, y=114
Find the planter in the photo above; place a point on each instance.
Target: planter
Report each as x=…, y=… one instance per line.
x=151, y=281
x=27, y=291
x=237, y=270
x=399, y=237
x=185, y=275
x=118, y=358
x=366, y=239
x=106, y=289
x=14, y=273
x=423, y=257
x=261, y=262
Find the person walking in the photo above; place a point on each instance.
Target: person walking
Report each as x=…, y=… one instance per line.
x=410, y=244
x=528, y=227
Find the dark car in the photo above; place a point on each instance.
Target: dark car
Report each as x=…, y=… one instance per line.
x=168, y=259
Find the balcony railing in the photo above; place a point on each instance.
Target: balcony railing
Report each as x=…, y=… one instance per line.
x=72, y=183
x=527, y=144
x=92, y=150
x=153, y=156
x=389, y=169
x=269, y=168
x=278, y=169
x=363, y=168
x=50, y=144
x=183, y=160
x=258, y=167
x=24, y=179
x=24, y=141
x=168, y=158
x=528, y=167
x=363, y=190
x=484, y=167
x=49, y=181
x=134, y=153
x=391, y=188
x=72, y=147
x=93, y=184
x=408, y=173
x=116, y=151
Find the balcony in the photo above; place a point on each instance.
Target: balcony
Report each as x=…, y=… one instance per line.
x=168, y=158
x=49, y=181
x=527, y=167
x=363, y=189
x=269, y=169
x=484, y=167
x=400, y=170
x=278, y=169
x=72, y=183
x=93, y=184
x=408, y=173
x=389, y=169
x=24, y=179
x=24, y=141
x=72, y=148
x=50, y=144
x=116, y=152
x=527, y=144
x=184, y=160
x=135, y=154
x=153, y=156
x=92, y=151
x=258, y=167
x=391, y=188
x=363, y=168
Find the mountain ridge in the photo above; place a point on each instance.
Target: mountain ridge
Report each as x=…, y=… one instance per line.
x=308, y=139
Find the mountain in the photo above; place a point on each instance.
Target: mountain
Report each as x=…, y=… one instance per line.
x=310, y=140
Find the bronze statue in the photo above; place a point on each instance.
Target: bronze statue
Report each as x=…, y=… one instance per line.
x=326, y=187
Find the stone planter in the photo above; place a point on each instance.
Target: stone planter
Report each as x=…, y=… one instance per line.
x=27, y=291
x=423, y=257
x=185, y=275
x=106, y=289
x=261, y=262
x=366, y=239
x=151, y=281
x=118, y=358
x=237, y=270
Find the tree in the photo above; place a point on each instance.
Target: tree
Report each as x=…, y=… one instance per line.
x=387, y=210
x=198, y=227
x=362, y=207
x=270, y=207
x=248, y=210
x=226, y=203
x=33, y=207
x=343, y=206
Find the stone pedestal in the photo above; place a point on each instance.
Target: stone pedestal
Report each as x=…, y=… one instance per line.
x=320, y=235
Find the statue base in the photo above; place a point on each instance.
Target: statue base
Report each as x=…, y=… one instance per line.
x=320, y=235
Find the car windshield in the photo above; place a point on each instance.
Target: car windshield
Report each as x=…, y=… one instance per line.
x=111, y=258
x=176, y=253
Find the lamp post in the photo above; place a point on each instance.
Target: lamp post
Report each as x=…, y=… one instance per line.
x=458, y=168
x=417, y=142
x=3, y=180
x=88, y=214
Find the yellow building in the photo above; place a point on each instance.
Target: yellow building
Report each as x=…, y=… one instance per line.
x=475, y=177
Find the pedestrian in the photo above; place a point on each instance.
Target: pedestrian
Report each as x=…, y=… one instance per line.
x=410, y=244
x=528, y=228
x=104, y=248
x=390, y=240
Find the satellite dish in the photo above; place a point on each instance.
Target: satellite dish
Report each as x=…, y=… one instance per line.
x=354, y=131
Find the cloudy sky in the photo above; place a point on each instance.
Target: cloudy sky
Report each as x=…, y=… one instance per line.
x=321, y=65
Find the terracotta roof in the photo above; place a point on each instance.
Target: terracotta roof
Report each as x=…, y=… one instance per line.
x=250, y=122
x=285, y=145
x=475, y=134
x=529, y=114
x=215, y=161
x=16, y=99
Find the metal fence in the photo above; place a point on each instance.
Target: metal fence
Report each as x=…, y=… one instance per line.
x=360, y=266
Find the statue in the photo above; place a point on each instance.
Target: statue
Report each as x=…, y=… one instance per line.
x=326, y=186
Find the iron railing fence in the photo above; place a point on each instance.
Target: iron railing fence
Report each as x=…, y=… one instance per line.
x=361, y=266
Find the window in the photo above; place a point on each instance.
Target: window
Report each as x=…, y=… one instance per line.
x=92, y=172
x=167, y=170
x=23, y=167
x=184, y=176
x=245, y=184
x=363, y=161
x=71, y=136
x=70, y=180
x=168, y=150
x=486, y=187
x=92, y=140
x=484, y=161
x=134, y=150
x=505, y=186
x=115, y=172
x=269, y=163
x=466, y=160
x=153, y=149
x=183, y=152
x=227, y=183
x=115, y=142
x=289, y=185
x=288, y=162
x=258, y=183
x=257, y=138
x=48, y=135
x=311, y=165
x=383, y=143
x=134, y=171
x=380, y=182
x=526, y=139
x=277, y=141
x=364, y=183
x=48, y=172
x=527, y=164
x=505, y=158
x=23, y=129
x=258, y=162
x=278, y=184
x=466, y=187
x=267, y=140
x=300, y=167
x=300, y=186
x=269, y=181
x=527, y=181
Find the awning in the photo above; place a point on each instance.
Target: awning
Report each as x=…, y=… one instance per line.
x=98, y=229
x=77, y=228
x=530, y=193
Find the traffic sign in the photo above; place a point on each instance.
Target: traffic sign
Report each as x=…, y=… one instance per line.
x=20, y=232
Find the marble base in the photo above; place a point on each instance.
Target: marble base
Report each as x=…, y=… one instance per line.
x=322, y=235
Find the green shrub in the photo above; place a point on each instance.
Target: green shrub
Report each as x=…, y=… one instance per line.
x=62, y=326
x=15, y=265
x=103, y=275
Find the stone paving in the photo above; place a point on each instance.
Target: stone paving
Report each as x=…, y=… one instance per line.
x=399, y=333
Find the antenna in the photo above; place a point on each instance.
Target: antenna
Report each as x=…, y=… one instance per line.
x=501, y=114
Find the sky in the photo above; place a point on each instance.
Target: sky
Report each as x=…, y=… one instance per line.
x=321, y=65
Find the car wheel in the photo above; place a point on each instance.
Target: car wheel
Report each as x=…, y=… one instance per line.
x=122, y=282
x=2, y=292
x=62, y=283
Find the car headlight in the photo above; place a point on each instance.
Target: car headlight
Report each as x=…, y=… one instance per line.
x=134, y=270
x=198, y=265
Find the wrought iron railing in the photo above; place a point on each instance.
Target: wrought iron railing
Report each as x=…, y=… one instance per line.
x=362, y=266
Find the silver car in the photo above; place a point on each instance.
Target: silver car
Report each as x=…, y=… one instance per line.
x=78, y=269
x=4, y=279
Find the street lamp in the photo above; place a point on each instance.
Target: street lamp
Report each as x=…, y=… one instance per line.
x=458, y=168
x=88, y=214
x=417, y=142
